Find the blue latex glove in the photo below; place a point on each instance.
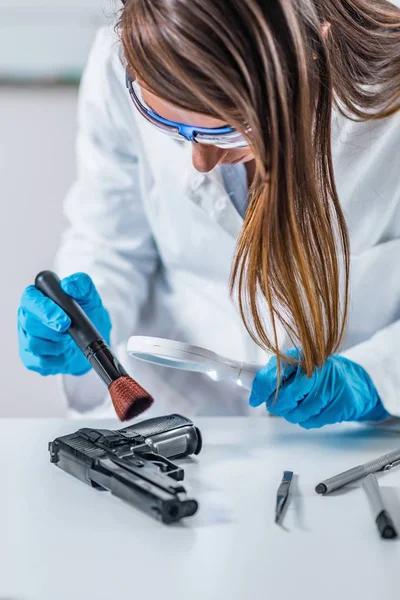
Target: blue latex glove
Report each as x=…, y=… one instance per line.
x=44, y=345
x=340, y=391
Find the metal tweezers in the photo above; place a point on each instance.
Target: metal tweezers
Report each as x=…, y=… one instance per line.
x=282, y=495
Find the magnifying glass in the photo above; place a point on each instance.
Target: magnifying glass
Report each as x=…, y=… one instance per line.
x=179, y=355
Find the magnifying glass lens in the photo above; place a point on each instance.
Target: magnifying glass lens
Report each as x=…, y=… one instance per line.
x=174, y=363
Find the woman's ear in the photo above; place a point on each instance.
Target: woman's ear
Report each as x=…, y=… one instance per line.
x=325, y=29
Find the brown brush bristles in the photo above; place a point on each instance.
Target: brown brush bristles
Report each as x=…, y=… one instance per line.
x=129, y=398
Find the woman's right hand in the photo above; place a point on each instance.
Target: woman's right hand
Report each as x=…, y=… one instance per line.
x=44, y=344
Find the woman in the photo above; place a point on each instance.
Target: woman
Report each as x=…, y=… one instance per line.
x=263, y=133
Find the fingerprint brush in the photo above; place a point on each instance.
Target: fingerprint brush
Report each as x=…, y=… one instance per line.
x=128, y=397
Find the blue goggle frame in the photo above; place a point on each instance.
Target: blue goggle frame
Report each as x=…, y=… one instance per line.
x=223, y=137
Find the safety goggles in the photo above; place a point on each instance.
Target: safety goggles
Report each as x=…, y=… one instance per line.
x=223, y=137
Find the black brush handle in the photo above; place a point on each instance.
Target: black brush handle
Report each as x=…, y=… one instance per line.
x=82, y=330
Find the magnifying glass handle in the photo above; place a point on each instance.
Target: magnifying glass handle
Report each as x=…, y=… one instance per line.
x=248, y=371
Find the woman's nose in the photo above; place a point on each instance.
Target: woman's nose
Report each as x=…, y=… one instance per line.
x=205, y=158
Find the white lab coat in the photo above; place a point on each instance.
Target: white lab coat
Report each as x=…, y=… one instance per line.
x=158, y=238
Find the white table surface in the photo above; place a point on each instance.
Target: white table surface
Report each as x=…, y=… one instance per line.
x=61, y=539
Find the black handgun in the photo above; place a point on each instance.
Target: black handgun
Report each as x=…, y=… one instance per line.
x=132, y=463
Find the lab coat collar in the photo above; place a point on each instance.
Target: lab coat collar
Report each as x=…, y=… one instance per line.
x=207, y=191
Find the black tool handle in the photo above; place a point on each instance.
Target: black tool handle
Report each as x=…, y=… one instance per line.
x=385, y=526
x=82, y=331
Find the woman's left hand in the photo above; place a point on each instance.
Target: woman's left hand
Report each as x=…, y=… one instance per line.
x=340, y=391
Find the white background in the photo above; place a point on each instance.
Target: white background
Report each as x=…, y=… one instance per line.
x=49, y=38
x=40, y=40
x=37, y=132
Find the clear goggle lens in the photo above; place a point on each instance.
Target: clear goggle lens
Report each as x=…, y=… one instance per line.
x=225, y=137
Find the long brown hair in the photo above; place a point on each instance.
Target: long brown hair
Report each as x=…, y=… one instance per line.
x=267, y=69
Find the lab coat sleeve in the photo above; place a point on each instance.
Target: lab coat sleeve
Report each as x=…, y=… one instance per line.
x=108, y=235
x=380, y=357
